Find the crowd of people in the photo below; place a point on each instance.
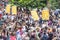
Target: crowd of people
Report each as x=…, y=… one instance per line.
x=23, y=27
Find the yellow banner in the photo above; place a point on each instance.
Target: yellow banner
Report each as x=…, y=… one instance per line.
x=14, y=9
x=34, y=15
x=8, y=9
x=45, y=14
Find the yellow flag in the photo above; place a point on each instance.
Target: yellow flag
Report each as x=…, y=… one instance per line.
x=14, y=9
x=45, y=14
x=34, y=15
x=8, y=9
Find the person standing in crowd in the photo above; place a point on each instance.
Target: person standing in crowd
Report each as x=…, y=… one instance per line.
x=22, y=26
x=44, y=37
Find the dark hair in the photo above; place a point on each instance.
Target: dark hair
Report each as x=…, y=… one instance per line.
x=44, y=33
x=9, y=28
x=12, y=34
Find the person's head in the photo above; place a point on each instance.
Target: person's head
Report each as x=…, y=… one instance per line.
x=17, y=23
x=19, y=28
x=33, y=24
x=4, y=25
x=9, y=29
x=44, y=33
x=12, y=34
x=46, y=28
x=34, y=31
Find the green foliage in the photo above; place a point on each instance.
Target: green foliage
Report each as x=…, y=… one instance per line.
x=55, y=4
x=29, y=3
x=36, y=3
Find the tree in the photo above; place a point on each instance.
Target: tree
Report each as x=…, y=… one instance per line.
x=36, y=3
x=29, y=3
x=55, y=4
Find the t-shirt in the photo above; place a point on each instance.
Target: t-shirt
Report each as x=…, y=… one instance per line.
x=5, y=17
x=12, y=38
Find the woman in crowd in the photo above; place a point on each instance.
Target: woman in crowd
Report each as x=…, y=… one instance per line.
x=23, y=27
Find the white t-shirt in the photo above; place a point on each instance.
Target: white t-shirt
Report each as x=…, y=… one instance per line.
x=24, y=29
x=12, y=17
x=5, y=16
x=0, y=12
